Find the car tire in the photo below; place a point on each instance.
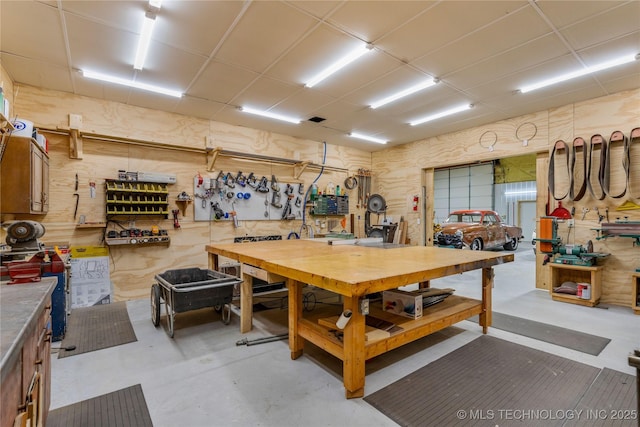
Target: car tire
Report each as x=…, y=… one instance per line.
x=512, y=245
x=476, y=245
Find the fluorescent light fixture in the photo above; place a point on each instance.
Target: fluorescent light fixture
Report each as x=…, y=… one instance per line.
x=588, y=70
x=157, y=4
x=145, y=40
x=130, y=83
x=368, y=138
x=270, y=115
x=441, y=114
x=515, y=193
x=413, y=89
x=338, y=65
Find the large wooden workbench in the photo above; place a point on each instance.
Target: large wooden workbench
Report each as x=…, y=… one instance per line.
x=355, y=271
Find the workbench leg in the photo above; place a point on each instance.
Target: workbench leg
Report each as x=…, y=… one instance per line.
x=354, y=356
x=424, y=285
x=213, y=262
x=487, y=285
x=246, y=303
x=296, y=343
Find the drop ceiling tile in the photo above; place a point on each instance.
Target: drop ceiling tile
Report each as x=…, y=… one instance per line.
x=124, y=15
x=152, y=100
x=493, y=69
x=312, y=54
x=36, y=73
x=618, y=22
x=371, y=20
x=38, y=36
x=442, y=24
x=566, y=13
x=265, y=93
x=263, y=34
x=206, y=21
x=99, y=47
x=221, y=82
x=319, y=9
x=400, y=78
x=196, y=107
x=525, y=30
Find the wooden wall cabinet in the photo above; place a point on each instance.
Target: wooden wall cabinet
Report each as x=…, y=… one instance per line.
x=25, y=177
x=561, y=273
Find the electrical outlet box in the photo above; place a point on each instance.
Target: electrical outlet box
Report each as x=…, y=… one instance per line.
x=571, y=223
x=75, y=121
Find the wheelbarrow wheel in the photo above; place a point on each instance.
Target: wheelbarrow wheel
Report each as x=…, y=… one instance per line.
x=155, y=304
x=226, y=314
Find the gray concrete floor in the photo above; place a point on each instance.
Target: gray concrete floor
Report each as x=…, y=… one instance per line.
x=202, y=378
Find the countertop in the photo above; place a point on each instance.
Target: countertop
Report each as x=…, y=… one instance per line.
x=20, y=305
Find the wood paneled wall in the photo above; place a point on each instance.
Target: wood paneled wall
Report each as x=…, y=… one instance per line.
x=400, y=170
x=133, y=268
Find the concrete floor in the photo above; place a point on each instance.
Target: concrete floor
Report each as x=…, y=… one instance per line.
x=202, y=378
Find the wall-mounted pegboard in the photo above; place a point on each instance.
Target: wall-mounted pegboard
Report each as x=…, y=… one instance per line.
x=217, y=198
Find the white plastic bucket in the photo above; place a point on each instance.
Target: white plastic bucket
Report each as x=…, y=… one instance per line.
x=23, y=128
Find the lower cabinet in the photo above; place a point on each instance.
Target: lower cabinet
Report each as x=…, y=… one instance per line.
x=592, y=276
x=26, y=389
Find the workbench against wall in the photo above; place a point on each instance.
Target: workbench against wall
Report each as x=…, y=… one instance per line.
x=236, y=197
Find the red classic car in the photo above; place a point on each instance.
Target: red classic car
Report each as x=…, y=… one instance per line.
x=477, y=230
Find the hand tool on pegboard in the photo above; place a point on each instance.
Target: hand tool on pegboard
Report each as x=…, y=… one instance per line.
x=176, y=223
x=77, y=196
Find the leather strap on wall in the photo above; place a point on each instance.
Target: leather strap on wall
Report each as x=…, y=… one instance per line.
x=616, y=139
x=633, y=137
x=579, y=146
x=597, y=143
x=559, y=145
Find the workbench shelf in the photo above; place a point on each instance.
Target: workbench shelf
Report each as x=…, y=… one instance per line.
x=635, y=292
x=452, y=310
x=137, y=198
x=561, y=273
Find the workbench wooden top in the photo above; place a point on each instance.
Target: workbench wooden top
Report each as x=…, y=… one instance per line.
x=357, y=270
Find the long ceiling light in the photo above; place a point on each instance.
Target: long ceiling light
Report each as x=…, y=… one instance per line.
x=145, y=34
x=341, y=63
x=131, y=83
x=441, y=114
x=368, y=138
x=579, y=73
x=270, y=115
x=413, y=89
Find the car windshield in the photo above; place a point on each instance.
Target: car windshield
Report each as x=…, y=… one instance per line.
x=464, y=217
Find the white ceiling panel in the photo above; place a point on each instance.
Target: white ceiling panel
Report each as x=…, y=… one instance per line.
x=619, y=22
x=224, y=54
x=263, y=34
x=265, y=93
x=36, y=34
x=221, y=82
x=371, y=20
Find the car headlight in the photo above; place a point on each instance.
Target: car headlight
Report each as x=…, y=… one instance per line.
x=459, y=233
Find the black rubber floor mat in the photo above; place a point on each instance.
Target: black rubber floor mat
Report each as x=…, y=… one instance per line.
x=97, y=327
x=580, y=341
x=121, y=408
x=610, y=401
x=488, y=381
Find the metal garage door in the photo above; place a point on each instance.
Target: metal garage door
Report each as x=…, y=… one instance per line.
x=465, y=187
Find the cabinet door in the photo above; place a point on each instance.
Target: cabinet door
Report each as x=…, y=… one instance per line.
x=45, y=183
x=36, y=179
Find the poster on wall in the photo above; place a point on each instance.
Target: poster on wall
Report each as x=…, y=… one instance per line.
x=234, y=197
x=90, y=280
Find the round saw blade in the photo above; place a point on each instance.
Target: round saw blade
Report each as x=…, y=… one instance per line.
x=376, y=204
